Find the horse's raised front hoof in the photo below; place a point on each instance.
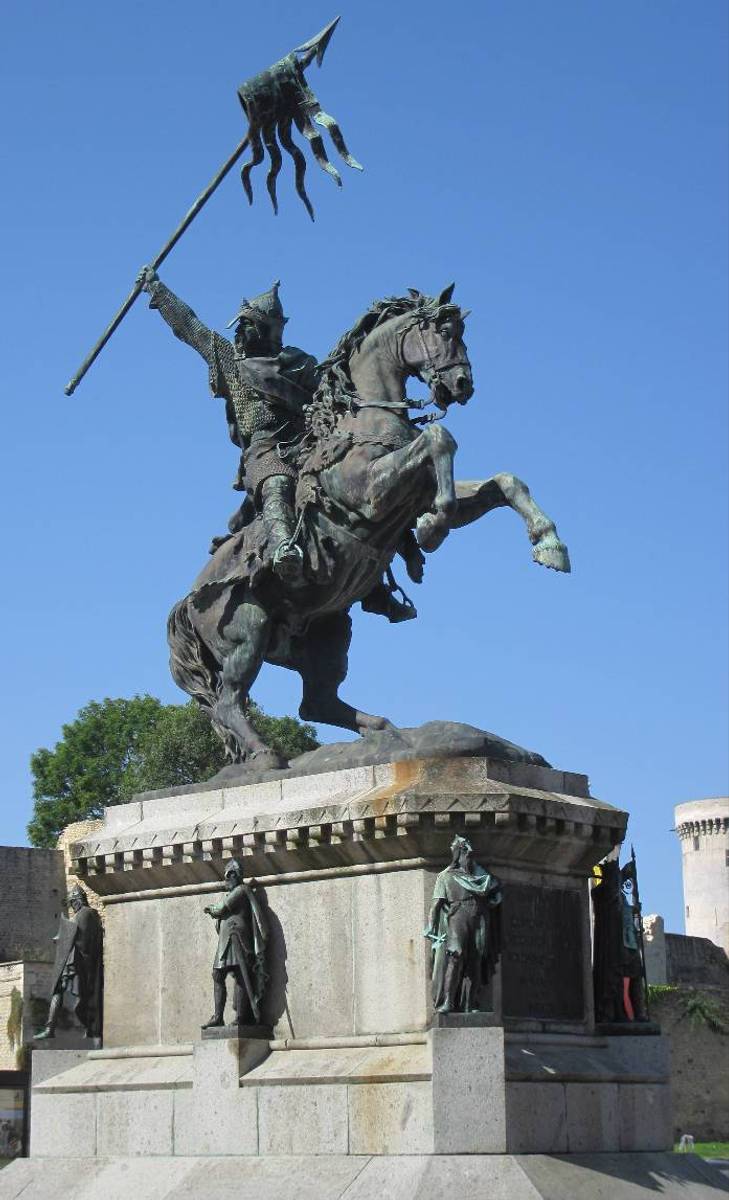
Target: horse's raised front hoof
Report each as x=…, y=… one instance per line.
x=431, y=531
x=550, y=552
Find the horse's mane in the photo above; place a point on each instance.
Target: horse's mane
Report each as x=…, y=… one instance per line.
x=335, y=382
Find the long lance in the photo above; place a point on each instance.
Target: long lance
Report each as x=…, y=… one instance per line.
x=636, y=892
x=272, y=101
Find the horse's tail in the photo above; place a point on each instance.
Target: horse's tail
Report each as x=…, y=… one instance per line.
x=193, y=668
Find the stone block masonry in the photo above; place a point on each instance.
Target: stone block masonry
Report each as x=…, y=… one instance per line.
x=344, y=864
x=32, y=891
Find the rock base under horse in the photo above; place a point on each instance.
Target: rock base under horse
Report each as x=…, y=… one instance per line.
x=434, y=739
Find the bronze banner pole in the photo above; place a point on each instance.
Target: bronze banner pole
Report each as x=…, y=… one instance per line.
x=169, y=245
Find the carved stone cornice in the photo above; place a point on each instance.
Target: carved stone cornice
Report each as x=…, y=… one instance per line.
x=371, y=815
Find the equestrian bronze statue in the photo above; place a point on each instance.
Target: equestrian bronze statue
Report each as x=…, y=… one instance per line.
x=359, y=481
x=338, y=477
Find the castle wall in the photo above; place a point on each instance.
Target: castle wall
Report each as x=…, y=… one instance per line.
x=32, y=891
x=699, y=1061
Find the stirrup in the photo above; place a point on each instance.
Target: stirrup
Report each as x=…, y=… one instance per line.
x=287, y=551
x=288, y=562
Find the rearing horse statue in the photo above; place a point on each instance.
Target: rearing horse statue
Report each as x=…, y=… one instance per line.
x=371, y=484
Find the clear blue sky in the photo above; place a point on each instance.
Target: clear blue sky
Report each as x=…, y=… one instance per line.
x=566, y=164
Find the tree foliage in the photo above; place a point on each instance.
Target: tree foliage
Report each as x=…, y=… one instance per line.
x=117, y=747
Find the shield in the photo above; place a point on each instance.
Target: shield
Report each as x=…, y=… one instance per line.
x=65, y=940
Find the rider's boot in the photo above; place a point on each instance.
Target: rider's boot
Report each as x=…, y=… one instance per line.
x=381, y=601
x=277, y=503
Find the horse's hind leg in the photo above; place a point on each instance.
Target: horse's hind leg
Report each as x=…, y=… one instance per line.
x=320, y=657
x=246, y=641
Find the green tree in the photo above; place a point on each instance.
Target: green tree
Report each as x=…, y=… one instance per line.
x=115, y=748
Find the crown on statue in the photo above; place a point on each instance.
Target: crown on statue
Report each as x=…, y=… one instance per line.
x=266, y=307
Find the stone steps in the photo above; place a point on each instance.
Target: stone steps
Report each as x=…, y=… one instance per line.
x=339, y=1177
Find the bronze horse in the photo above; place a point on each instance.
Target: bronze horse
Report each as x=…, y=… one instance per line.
x=371, y=484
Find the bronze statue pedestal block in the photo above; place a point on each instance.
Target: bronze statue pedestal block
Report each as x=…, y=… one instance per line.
x=243, y=1032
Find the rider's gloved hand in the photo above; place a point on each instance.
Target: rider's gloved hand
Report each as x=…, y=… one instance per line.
x=147, y=277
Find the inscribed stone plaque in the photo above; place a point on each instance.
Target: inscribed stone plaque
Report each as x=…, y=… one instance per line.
x=542, y=953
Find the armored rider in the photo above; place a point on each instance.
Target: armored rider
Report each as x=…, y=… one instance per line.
x=265, y=386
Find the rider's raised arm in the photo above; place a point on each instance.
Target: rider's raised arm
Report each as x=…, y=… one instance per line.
x=179, y=316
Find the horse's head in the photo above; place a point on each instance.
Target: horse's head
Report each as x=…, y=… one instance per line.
x=433, y=349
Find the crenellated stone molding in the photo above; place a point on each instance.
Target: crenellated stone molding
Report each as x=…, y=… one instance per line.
x=402, y=813
x=706, y=827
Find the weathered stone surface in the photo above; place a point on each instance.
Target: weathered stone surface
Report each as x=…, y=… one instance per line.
x=696, y=961
x=639, y=1059
x=132, y=952
x=623, y=1177
x=291, y=1177
x=303, y=1119
x=230, y=1127
x=390, y=1118
x=390, y=952
x=68, y=1127
x=469, y=1111
x=24, y=991
x=699, y=1065
x=333, y=1177
x=311, y=944
x=353, y=816
x=342, y=1064
x=654, y=943
x=129, y=1125
x=536, y=1118
x=493, y=1177
x=592, y=1117
x=188, y=939
x=53, y=1062
x=130, y=1074
x=32, y=891
x=645, y=1116
x=635, y=1059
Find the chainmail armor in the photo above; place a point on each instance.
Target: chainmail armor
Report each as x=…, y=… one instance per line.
x=253, y=410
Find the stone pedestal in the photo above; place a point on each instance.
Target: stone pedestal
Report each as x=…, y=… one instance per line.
x=346, y=863
x=354, y=1063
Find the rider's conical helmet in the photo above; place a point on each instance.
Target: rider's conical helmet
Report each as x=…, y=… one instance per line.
x=264, y=309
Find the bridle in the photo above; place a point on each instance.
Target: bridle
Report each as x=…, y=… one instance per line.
x=431, y=372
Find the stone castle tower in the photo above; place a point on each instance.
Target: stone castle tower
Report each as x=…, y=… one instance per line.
x=703, y=827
